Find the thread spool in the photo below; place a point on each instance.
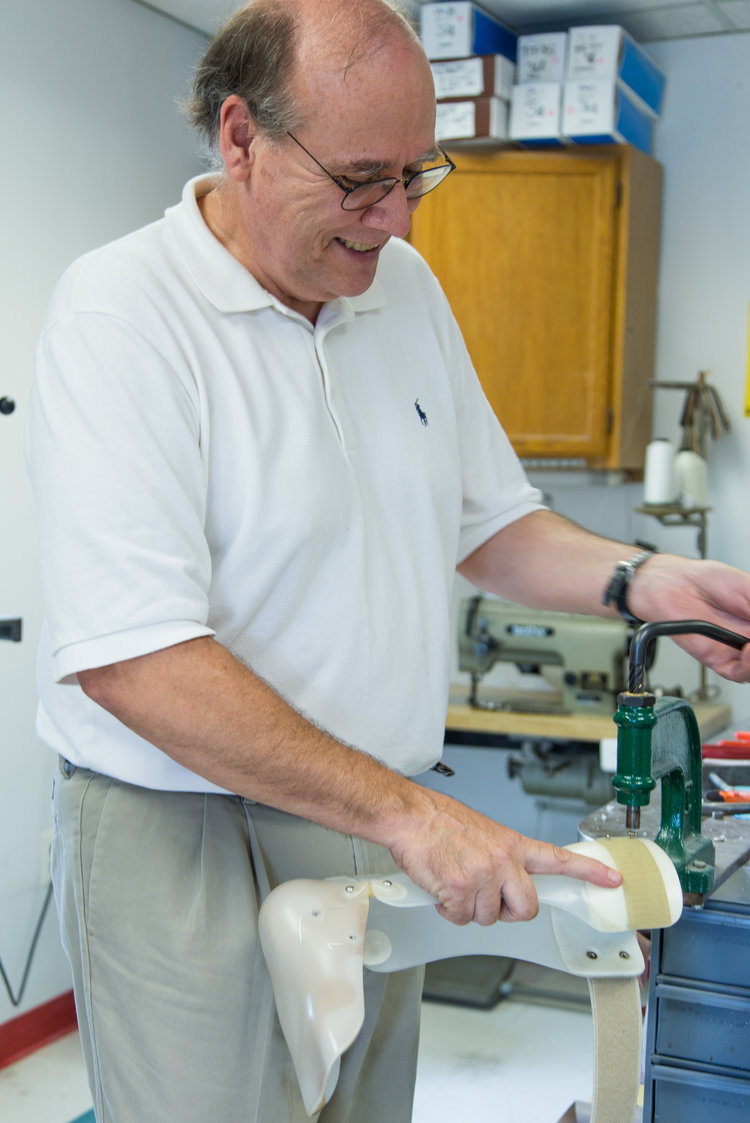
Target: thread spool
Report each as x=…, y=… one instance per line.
x=660, y=484
x=690, y=469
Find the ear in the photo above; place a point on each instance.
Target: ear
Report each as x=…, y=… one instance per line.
x=237, y=130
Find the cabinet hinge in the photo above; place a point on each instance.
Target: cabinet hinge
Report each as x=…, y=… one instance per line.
x=618, y=194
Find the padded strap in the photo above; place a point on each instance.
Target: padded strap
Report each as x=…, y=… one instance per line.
x=647, y=900
x=616, y=1009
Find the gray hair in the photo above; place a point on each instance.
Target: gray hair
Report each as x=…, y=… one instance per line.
x=253, y=56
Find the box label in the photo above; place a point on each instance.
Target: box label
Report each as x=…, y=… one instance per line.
x=594, y=52
x=535, y=110
x=446, y=29
x=541, y=58
x=455, y=120
x=459, y=78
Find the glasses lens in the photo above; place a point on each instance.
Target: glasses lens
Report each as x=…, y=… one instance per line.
x=368, y=194
x=427, y=181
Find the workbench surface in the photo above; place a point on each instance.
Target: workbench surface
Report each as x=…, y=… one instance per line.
x=712, y=718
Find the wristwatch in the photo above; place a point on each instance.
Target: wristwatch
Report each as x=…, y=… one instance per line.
x=617, y=589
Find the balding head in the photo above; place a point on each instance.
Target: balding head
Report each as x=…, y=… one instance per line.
x=269, y=52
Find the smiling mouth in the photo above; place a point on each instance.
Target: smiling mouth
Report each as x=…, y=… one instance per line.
x=359, y=247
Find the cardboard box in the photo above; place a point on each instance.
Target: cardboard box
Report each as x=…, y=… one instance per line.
x=542, y=58
x=536, y=114
x=484, y=118
x=462, y=29
x=609, y=52
x=601, y=112
x=478, y=76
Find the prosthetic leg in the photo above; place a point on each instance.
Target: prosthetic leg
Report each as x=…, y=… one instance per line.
x=317, y=936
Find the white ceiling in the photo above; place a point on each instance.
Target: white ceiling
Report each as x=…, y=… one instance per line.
x=662, y=19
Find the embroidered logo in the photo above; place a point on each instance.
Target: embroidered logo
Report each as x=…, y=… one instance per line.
x=421, y=413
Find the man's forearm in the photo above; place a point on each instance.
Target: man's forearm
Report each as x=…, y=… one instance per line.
x=545, y=561
x=204, y=708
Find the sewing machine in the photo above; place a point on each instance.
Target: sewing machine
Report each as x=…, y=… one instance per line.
x=589, y=654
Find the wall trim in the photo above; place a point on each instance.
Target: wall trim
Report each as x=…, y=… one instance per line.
x=40, y=1026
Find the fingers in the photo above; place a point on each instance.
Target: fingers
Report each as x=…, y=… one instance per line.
x=545, y=858
x=479, y=870
x=511, y=899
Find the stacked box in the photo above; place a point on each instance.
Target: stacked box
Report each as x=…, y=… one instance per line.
x=609, y=52
x=479, y=76
x=480, y=118
x=600, y=111
x=542, y=58
x=462, y=29
x=536, y=114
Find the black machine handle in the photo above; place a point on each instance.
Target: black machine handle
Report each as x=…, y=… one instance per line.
x=647, y=633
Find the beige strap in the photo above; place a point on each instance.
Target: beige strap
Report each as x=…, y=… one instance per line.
x=616, y=1007
x=646, y=896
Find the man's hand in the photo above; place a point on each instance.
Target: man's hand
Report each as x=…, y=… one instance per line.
x=668, y=587
x=544, y=561
x=479, y=870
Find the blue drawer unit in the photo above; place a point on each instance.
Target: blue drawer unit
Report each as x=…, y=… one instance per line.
x=682, y=1096
x=698, y=1023
x=703, y=1026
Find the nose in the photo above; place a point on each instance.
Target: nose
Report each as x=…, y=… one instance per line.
x=392, y=213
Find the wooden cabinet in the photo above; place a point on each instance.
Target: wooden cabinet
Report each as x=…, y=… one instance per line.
x=550, y=260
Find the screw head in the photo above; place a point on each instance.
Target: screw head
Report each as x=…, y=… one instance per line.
x=591, y=955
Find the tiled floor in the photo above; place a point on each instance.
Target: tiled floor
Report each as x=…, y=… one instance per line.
x=47, y=1087
x=516, y=1063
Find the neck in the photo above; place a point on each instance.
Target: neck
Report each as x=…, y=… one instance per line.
x=221, y=215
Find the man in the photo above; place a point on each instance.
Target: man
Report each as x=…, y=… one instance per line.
x=259, y=453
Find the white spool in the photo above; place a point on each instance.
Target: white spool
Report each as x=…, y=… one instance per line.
x=659, y=477
x=691, y=478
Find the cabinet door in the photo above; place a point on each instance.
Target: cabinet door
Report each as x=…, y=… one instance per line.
x=525, y=246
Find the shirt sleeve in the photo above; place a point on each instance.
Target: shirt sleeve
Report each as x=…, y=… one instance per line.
x=113, y=446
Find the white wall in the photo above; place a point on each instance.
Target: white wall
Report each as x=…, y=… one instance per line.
x=93, y=146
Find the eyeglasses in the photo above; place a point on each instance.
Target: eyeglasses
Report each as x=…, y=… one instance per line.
x=364, y=195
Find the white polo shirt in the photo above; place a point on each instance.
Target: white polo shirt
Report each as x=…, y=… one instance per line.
x=208, y=462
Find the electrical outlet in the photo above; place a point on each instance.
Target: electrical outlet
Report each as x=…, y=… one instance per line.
x=45, y=845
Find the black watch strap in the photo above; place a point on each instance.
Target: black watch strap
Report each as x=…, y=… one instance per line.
x=616, y=591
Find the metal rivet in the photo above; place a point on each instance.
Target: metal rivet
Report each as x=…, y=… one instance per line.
x=591, y=955
x=624, y=955
x=387, y=884
x=351, y=936
x=349, y=889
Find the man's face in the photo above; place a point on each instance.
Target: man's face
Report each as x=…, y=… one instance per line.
x=376, y=122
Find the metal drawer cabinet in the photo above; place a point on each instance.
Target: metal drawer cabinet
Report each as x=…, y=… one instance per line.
x=703, y=1026
x=698, y=1023
x=686, y=1096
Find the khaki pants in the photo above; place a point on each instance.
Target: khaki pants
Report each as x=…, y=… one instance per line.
x=158, y=904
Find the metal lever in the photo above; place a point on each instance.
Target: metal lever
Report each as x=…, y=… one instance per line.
x=647, y=633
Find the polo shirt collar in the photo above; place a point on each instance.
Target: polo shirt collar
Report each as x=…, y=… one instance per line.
x=227, y=284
